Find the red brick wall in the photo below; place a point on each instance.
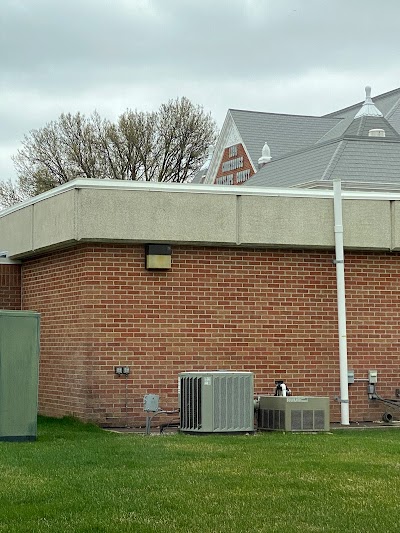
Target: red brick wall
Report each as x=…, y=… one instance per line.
x=10, y=287
x=53, y=286
x=268, y=311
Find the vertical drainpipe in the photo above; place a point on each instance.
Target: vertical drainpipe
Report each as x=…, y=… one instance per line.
x=341, y=301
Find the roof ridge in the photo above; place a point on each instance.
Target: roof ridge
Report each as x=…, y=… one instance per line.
x=329, y=132
x=360, y=125
x=334, y=160
x=283, y=114
x=392, y=109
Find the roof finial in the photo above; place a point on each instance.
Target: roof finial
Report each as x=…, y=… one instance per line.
x=368, y=108
x=265, y=155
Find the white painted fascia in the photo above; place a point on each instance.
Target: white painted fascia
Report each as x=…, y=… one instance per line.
x=218, y=150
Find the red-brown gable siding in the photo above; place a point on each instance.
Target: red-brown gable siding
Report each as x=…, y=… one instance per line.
x=241, y=153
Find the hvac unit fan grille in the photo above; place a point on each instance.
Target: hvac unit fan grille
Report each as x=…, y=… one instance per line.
x=308, y=420
x=216, y=401
x=191, y=403
x=231, y=405
x=272, y=419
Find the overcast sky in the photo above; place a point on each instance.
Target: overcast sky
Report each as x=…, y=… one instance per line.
x=306, y=57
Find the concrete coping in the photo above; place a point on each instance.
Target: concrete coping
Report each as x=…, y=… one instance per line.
x=199, y=189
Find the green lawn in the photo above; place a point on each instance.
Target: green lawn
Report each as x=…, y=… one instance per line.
x=79, y=478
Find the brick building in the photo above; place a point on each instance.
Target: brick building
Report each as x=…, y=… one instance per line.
x=251, y=286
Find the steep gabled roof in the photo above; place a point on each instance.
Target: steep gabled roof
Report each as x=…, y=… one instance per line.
x=284, y=133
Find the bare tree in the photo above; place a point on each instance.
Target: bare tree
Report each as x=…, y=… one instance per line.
x=185, y=134
x=10, y=194
x=138, y=133
x=168, y=145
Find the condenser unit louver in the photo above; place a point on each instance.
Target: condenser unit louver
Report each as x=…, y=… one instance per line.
x=213, y=402
x=293, y=413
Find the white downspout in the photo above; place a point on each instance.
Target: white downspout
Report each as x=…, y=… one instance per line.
x=341, y=302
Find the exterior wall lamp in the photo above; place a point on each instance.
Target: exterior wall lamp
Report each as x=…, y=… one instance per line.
x=158, y=256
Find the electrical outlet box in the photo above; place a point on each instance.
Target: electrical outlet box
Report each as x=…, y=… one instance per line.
x=373, y=376
x=350, y=376
x=119, y=370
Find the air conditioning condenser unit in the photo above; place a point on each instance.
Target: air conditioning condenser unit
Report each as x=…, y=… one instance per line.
x=293, y=413
x=216, y=402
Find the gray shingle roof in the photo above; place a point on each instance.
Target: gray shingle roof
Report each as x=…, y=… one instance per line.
x=337, y=131
x=370, y=159
x=361, y=126
x=394, y=116
x=284, y=133
x=303, y=166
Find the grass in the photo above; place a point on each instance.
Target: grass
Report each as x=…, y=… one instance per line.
x=78, y=478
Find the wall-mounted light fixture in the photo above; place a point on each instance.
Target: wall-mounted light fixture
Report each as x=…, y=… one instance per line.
x=158, y=256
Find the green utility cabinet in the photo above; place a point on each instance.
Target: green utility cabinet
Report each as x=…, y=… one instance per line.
x=19, y=372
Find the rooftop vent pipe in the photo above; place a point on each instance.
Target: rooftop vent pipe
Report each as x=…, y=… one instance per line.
x=377, y=132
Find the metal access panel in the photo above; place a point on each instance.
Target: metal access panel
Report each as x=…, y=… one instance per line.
x=293, y=413
x=216, y=402
x=151, y=403
x=19, y=369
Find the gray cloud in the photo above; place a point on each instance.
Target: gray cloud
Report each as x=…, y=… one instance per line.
x=295, y=56
x=83, y=42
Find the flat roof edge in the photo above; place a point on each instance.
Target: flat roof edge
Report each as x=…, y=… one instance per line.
x=197, y=189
